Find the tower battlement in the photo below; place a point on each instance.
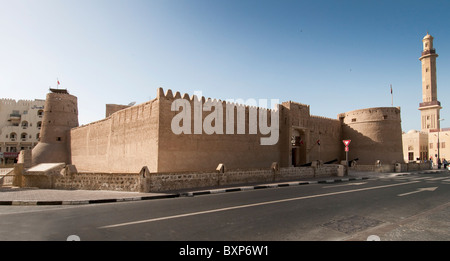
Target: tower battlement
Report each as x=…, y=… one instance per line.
x=168, y=95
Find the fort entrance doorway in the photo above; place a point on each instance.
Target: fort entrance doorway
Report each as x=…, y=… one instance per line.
x=298, y=147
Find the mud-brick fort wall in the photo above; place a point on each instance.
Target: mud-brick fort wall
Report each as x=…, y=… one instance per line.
x=375, y=134
x=328, y=132
x=142, y=135
x=297, y=120
x=124, y=142
x=204, y=152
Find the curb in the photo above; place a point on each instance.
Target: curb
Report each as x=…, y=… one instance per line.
x=80, y=202
x=278, y=185
x=175, y=195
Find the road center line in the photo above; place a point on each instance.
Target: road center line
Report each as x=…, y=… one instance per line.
x=251, y=205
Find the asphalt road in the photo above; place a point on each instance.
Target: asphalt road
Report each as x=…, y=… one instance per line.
x=405, y=208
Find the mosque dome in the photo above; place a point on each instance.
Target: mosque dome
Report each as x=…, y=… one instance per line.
x=428, y=36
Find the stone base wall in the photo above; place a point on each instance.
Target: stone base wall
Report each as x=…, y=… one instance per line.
x=157, y=182
x=99, y=181
x=417, y=166
x=7, y=179
x=374, y=168
x=398, y=167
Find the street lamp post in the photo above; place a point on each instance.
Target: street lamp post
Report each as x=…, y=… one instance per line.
x=439, y=146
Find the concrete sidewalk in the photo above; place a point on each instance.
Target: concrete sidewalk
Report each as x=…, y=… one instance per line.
x=35, y=196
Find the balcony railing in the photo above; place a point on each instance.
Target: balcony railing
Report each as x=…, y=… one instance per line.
x=431, y=103
x=14, y=116
x=431, y=51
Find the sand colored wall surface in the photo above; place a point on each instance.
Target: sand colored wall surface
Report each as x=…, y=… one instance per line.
x=142, y=136
x=123, y=142
x=375, y=134
x=203, y=152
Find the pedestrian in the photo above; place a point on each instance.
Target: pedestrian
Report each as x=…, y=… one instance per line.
x=445, y=163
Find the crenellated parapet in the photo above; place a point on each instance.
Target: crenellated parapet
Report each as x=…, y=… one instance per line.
x=169, y=95
x=13, y=102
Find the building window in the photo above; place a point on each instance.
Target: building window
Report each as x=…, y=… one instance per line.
x=428, y=86
x=39, y=124
x=442, y=145
x=385, y=117
x=354, y=120
x=24, y=124
x=13, y=136
x=411, y=156
x=40, y=113
x=426, y=70
x=23, y=136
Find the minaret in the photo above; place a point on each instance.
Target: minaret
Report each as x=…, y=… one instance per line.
x=60, y=115
x=430, y=106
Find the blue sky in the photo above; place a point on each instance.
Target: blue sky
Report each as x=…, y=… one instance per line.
x=336, y=56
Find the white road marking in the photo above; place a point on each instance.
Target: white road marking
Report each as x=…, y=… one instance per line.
x=438, y=178
x=250, y=205
x=348, y=184
x=419, y=178
x=417, y=191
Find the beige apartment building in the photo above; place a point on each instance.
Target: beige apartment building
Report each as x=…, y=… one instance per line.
x=20, y=124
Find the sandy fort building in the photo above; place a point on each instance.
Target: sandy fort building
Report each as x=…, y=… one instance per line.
x=142, y=135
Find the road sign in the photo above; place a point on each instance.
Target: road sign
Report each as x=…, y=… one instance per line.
x=346, y=148
x=346, y=142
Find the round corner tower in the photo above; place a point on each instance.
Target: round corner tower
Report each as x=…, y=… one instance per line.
x=60, y=115
x=376, y=134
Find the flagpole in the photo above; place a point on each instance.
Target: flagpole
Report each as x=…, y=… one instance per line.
x=392, y=97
